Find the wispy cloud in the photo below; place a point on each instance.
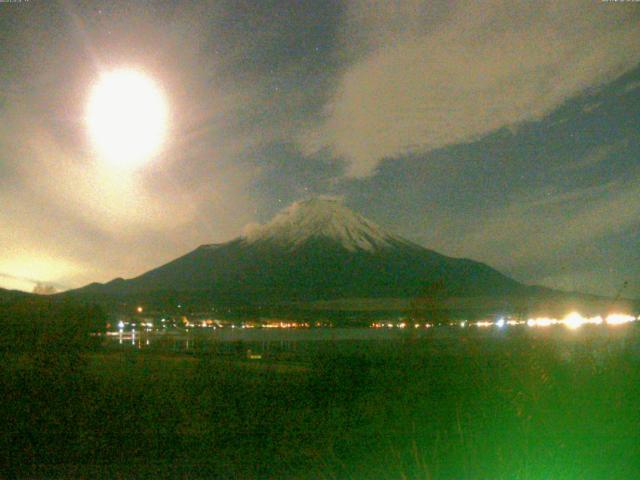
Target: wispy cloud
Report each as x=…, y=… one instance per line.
x=594, y=157
x=13, y=282
x=431, y=77
x=540, y=227
x=630, y=87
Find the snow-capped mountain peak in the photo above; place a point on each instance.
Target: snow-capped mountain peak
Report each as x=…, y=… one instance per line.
x=321, y=218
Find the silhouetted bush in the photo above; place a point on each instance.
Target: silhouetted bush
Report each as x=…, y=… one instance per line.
x=50, y=326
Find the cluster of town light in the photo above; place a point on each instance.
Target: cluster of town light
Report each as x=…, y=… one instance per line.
x=399, y=325
x=286, y=325
x=572, y=321
x=184, y=322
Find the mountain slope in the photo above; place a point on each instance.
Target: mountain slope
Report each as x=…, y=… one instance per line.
x=314, y=250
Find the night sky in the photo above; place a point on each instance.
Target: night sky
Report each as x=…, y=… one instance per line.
x=507, y=132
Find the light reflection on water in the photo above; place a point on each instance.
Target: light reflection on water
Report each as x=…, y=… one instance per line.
x=447, y=339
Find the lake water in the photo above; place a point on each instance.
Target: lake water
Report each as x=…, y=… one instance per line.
x=442, y=339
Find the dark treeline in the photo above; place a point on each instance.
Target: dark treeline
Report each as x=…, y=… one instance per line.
x=47, y=326
x=512, y=408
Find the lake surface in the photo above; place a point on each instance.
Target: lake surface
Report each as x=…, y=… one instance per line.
x=441, y=339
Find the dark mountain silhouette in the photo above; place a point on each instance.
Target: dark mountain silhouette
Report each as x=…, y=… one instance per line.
x=318, y=254
x=315, y=250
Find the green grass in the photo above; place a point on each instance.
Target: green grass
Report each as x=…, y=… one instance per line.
x=513, y=408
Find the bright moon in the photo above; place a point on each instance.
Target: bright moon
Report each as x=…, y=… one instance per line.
x=127, y=118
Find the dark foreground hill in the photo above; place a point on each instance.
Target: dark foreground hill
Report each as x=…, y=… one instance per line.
x=11, y=295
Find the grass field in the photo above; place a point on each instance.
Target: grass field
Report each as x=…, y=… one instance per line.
x=508, y=408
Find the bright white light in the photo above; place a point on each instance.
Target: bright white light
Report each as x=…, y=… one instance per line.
x=619, y=319
x=500, y=323
x=596, y=320
x=541, y=322
x=574, y=320
x=126, y=117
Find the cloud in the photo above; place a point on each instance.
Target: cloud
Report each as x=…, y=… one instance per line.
x=595, y=156
x=44, y=289
x=630, y=87
x=10, y=282
x=250, y=229
x=539, y=228
x=23, y=269
x=590, y=107
x=427, y=77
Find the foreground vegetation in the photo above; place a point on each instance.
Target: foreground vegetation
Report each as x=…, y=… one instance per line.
x=510, y=408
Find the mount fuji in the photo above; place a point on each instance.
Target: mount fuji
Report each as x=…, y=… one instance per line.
x=314, y=250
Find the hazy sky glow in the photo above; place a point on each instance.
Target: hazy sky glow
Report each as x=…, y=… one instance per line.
x=508, y=132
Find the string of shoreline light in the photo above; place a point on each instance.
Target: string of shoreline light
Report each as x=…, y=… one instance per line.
x=573, y=321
